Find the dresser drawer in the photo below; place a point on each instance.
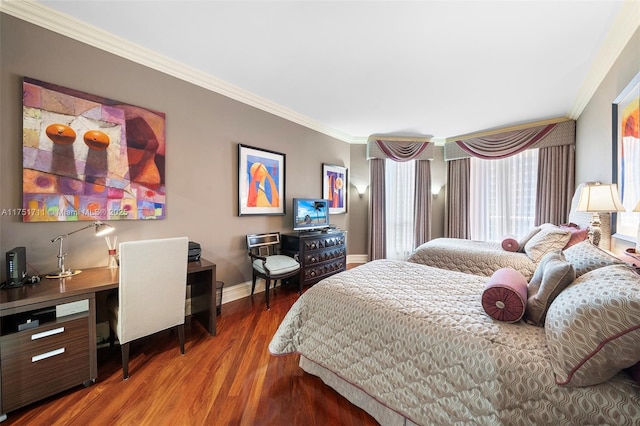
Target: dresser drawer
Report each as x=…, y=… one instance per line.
x=40, y=362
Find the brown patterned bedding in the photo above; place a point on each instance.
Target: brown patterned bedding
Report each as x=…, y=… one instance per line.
x=472, y=257
x=417, y=340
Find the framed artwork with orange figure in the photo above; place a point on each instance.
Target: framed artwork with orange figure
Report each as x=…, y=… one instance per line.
x=86, y=157
x=261, y=181
x=334, y=187
x=626, y=160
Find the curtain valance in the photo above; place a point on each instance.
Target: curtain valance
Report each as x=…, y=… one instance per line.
x=506, y=142
x=399, y=148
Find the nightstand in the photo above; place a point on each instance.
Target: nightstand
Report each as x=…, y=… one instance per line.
x=631, y=258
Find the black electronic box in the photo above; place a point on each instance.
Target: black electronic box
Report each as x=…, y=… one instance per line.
x=16, y=267
x=194, y=251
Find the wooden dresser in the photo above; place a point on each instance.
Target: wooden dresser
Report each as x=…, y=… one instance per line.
x=321, y=254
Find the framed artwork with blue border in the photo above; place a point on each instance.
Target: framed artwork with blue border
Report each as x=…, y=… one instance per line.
x=335, y=188
x=261, y=181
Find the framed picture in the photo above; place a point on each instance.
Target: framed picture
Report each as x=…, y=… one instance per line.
x=261, y=181
x=626, y=159
x=86, y=157
x=335, y=188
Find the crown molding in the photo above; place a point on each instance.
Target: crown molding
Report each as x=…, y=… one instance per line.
x=625, y=25
x=43, y=16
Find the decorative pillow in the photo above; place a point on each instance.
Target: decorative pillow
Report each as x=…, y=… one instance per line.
x=510, y=244
x=586, y=257
x=577, y=235
x=593, y=326
x=527, y=237
x=505, y=296
x=548, y=239
x=552, y=275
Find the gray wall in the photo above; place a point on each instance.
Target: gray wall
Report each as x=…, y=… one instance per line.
x=594, y=153
x=203, y=130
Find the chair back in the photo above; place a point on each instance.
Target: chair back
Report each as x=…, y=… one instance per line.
x=263, y=244
x=153, y=278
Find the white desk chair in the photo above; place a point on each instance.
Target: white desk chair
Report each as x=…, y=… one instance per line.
x=151, y=293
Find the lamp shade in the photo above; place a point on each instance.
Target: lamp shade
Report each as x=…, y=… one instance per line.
x=600, y=198
x=636, y=208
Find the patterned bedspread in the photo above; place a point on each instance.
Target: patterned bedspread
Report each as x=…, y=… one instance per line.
x=472, y=257
x=416, y=339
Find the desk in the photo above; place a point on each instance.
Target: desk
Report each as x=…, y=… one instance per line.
x=61, y=352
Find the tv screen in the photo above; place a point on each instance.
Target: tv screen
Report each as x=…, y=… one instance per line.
x=310, y=213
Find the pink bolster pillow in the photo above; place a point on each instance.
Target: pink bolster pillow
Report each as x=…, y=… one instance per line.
x=510, y=244
x=505, y=295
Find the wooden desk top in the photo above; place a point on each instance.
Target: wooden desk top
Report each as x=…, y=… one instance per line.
x=91, y=280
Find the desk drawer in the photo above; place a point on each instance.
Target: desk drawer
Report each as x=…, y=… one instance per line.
x=44, y=361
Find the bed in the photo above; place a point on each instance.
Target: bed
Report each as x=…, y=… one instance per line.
x=412, y=344
x=486, y=257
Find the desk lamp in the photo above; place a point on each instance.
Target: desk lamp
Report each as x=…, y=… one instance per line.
x=599, y=198
x=101, y=229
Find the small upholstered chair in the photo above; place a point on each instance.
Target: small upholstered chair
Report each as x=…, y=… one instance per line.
x=267, y=262
x=151, y=293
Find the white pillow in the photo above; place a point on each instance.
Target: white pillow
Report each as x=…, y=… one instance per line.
x=550, y=238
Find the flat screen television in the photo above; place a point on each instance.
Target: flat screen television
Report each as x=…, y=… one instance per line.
x=310, y=213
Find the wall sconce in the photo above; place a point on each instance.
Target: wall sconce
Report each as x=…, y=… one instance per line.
x=435, y=190
x=101, y=229
x=361, y=188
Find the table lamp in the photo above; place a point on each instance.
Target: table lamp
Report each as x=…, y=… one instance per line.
x=599, y=198
x=101, y=229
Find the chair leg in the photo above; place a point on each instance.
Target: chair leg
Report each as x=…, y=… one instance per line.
x=181, y=337
x=253, y=283
x=124, y=348
x=267, y=285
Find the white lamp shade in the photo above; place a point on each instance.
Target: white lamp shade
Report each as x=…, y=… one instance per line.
x=600, y=199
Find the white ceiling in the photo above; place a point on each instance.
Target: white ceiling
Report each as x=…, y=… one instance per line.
x=356, y=68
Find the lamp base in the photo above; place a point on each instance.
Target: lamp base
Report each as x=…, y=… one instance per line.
x=64, y=274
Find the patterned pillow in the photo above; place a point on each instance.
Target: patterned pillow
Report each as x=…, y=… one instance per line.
x=526, y=238
x=586, y=257
x=577, y=235
x=552, y=275
x=505, y=295
x=593, y=326
x=548, y=239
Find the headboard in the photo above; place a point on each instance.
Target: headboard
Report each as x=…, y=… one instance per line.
x=583, y=219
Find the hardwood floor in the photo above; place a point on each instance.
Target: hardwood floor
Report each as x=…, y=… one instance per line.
x=230, y=379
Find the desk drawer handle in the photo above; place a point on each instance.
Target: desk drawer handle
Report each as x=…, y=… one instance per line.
x=47, y=355
x=47, y=333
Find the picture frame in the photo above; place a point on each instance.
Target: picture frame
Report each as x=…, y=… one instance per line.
x=86, y=157
x=335, y=186
x=261, y=181
x=626, y=160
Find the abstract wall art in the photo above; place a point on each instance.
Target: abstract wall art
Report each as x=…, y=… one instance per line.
x=86, y=157
x=626, y=159
x=261, y=181
x=334, y=187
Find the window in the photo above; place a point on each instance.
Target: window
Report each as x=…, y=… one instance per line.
x=399, y=192
x=503, y=196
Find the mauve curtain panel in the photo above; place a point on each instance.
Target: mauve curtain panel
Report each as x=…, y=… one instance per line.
x=456, y=222
x=377, y=243
x=556, y=183
x=422, y=200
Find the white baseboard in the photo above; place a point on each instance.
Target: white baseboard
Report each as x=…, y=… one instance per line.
x=357, y=258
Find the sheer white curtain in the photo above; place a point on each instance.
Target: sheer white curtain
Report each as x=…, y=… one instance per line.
x=503, y=196
x=399, y=187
